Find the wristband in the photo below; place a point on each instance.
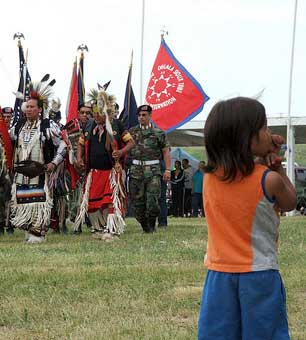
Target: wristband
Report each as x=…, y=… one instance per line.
x=167, y=170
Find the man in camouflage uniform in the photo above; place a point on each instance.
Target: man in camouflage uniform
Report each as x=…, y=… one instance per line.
x=145, y=172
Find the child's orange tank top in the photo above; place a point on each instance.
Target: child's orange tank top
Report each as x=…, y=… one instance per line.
x=242, y=224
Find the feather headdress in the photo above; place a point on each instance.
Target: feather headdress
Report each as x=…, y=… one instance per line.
x=42, y=91
x=102, y=101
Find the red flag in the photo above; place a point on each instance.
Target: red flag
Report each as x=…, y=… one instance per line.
x=6, y=141
x=175, y=96
x=72, y=102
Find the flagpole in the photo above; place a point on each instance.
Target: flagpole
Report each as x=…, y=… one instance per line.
x=290, y=129
x=82, y=48
x=141, y=51
x=290, y=132
x=25, y=74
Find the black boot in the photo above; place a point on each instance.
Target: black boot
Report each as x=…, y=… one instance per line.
x=10, y=229
x=151, y=224
x=144, y=225
x=1, y=229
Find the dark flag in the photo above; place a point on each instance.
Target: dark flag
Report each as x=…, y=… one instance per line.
x=81, y=88
x=175, y=96
x=128, y=116
x=23, y=87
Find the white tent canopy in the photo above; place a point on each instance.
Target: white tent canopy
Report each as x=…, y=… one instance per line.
x=191, y=133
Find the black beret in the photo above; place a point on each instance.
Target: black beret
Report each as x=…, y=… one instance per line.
x=146, y=108
x=7, y=110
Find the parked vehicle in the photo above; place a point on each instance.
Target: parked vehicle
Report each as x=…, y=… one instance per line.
x=300, y=186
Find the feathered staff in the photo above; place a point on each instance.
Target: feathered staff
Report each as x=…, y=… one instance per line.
x=115, y=221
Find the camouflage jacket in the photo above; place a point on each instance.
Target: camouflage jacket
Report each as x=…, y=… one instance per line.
x=149, y=143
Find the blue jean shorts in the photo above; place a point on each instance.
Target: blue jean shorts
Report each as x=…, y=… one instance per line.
x=243, y=306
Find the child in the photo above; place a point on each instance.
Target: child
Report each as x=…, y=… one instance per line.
x=243, y=297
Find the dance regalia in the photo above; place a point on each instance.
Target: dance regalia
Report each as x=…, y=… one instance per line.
x=104, y=193
x=40, y=141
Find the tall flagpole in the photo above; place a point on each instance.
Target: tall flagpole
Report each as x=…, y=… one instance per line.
x=25, y=74
x=290, y=129
x=141, y=51
x=82, y=48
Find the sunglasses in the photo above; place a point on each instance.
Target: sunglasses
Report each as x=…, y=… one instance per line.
x=142, y=114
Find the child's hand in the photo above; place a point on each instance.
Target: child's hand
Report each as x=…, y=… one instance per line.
x=277, y=142
x=272, y=160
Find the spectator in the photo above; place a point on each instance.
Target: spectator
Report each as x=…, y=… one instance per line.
x=244, y=297
x=197, y=185
x=188, y=173
x=177, y=188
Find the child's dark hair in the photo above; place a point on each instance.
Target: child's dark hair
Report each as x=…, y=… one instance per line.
x=228, y=132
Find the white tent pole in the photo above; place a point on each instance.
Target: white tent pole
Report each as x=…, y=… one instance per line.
x=141, y=51
x=290, y=129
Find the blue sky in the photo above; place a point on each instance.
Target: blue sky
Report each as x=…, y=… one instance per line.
x=232, y=47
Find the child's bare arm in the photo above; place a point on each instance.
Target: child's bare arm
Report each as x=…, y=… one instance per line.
x=278, y=184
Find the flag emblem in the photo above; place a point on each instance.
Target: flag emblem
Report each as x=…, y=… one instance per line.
x=175, y=96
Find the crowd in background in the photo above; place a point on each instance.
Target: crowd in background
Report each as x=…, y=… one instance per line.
x=186, y=187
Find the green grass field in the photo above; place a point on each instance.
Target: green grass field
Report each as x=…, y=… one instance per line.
x=300, y=153
x=138, y=287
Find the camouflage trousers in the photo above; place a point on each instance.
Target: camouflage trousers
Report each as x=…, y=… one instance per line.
x=145, y=194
